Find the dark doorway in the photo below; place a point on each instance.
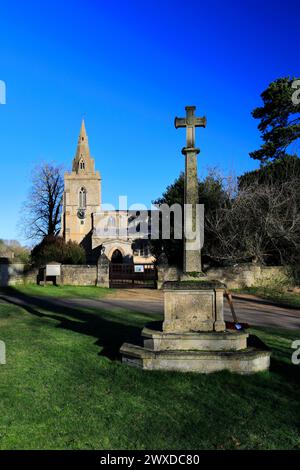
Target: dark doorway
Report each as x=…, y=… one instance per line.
x=117, y=257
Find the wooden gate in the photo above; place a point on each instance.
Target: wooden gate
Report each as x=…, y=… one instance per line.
x=132, y=276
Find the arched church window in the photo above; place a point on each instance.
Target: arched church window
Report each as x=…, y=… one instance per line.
x=82, y=198
x=82, y=164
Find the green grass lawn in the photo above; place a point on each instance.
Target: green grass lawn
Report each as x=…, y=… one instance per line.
x=67, y=292
x=63, y=387
x=281, y=297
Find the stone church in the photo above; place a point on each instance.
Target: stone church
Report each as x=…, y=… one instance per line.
x=82, y=214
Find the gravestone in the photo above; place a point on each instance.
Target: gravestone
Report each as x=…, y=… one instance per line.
x=193, y=335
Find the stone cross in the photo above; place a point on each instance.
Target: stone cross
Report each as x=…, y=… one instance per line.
x=190, y=122
x=192, y=257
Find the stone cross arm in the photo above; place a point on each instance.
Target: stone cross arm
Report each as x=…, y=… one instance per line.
x=190, y=122
x=197, y=122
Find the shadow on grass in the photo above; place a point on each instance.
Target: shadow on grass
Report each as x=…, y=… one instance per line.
x=276, y=340
x=290, y=372
x=110, y=334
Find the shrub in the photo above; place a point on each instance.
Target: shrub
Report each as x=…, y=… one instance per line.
x=56, y=249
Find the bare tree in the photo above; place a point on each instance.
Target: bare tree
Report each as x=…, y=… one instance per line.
x=42, y=210
x=261, y=223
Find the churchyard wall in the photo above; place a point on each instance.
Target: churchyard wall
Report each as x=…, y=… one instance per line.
x=16, y=273
x=73, y=275
x=245, y=275
x=239, y=276
x=250, y=275
x=85, y=275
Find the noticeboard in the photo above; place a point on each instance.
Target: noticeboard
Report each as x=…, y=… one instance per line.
x=53, y=270
x=139, y=268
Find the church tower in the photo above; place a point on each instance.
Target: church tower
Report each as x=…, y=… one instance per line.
x=82, y=193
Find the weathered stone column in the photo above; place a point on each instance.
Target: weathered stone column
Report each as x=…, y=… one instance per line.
x=191, y=256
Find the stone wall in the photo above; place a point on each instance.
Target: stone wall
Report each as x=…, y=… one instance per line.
x=16, y=273
x=236, y=277
x=85, y=275
x=246, y=275
x=249, y=275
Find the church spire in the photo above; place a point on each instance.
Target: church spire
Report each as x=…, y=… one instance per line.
x=82, y=162
x=82, y=135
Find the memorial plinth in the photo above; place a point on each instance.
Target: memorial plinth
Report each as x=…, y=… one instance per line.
x=193, y=336
x=193, y=306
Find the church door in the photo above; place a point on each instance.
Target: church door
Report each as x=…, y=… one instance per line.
x=117, y=257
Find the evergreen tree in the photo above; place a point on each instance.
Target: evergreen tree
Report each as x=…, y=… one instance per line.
x=279, y=119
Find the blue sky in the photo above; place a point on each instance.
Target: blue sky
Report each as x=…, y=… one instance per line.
x=129, y=68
